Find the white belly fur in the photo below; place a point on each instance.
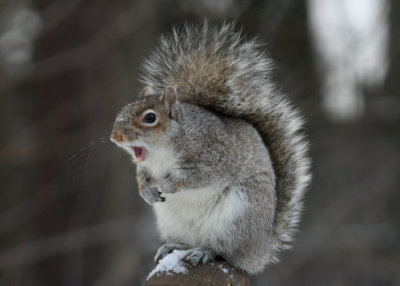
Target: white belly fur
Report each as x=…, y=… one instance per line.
x=161, y=161
x=198, y=217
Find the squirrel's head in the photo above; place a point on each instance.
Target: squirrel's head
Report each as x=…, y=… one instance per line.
x=146, y=122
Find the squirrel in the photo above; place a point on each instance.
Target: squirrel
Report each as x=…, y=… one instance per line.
x=221, y=154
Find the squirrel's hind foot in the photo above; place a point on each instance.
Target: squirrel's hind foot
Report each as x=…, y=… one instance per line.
x=166, y=249
x=194, y=256
x=197, y=256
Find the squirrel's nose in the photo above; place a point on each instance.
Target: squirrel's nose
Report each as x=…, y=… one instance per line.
x=118, y=137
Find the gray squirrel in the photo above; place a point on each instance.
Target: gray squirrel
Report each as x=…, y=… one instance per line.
x=220, y=153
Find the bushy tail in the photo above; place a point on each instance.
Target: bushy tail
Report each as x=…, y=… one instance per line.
x=217, y=69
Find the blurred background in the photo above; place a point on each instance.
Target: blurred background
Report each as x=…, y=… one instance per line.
x=70, y=213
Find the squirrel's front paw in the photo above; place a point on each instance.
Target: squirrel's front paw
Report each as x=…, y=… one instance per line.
x=171, y=185
x=151, y=195
x=169, y=188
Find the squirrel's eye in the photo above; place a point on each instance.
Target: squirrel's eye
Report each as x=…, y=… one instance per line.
x=149, y=118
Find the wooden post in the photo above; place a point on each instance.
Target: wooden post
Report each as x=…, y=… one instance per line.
x=219, y=273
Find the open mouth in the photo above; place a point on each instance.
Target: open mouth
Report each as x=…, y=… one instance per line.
x=140, y=153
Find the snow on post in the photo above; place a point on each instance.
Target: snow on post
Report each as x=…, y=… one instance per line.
x=172, y=271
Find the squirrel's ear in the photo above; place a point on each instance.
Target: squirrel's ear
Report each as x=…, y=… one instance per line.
x=146, y=91
x=170, y=101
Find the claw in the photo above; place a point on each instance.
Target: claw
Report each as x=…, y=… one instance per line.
x=166, y=249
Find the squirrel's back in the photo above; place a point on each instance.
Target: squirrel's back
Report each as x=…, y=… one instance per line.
x=217, y=69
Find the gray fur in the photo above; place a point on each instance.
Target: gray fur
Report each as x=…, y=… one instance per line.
x=238, y=169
